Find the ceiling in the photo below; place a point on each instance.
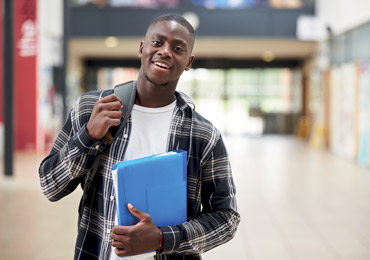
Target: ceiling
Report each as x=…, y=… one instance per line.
x=231, y=48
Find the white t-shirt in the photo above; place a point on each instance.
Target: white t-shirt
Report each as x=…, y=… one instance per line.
x=149, y=134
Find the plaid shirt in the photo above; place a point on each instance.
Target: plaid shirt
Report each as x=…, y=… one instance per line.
x=211, y=204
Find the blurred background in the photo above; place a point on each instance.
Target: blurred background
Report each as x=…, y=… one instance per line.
x=287, y=82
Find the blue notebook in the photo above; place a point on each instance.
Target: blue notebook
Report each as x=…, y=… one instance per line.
x=155, y=185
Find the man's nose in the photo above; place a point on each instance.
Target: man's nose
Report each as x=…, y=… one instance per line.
x=166, y=50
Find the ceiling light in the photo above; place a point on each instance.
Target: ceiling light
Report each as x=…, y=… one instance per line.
x=111, y=42
x=268, y=56
x=192, y=18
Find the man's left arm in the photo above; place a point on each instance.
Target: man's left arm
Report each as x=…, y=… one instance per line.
x=215, y=226
x=219, y=219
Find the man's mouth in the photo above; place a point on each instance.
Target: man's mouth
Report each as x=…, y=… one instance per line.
x=161, y=65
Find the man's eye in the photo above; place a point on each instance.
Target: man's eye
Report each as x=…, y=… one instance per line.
x=179, y=49
x=156, y=43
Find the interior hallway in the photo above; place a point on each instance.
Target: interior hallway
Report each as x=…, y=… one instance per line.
x=295, y=203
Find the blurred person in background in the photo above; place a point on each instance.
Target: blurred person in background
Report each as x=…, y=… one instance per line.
x=161, y=120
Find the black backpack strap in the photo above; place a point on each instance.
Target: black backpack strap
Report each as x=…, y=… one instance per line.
x=127, y=93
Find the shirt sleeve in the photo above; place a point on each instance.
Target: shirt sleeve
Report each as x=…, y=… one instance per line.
x=219, y=219
x=71, y=156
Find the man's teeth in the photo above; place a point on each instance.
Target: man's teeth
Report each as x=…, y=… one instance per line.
x=160, y=64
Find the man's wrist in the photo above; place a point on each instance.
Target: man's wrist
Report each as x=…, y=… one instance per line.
x=85, y=143
x=161, y=244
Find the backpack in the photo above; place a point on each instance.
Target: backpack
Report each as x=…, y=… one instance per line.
x=127, y=93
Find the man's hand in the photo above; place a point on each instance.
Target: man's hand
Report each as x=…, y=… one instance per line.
x=137, y=239
x=106, y=113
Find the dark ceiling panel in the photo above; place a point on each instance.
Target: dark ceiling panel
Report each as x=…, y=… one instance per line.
x=91, y=21
x=200, y=63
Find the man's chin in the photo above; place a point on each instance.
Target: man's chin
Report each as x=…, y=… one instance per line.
x=157, y=83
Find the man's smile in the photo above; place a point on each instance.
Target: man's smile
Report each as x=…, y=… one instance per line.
x=161, y=65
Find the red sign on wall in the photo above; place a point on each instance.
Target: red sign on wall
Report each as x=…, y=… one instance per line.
x=25, y=80
x=1, y=62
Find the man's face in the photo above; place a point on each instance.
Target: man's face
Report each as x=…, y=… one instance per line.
x=166, y=52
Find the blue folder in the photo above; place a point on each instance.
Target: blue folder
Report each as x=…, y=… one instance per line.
x=155, y=185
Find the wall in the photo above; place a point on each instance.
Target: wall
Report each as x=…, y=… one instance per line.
x=25, y=78
x=50, y=58
x=1, y=81
x=343, y=80
x=38, y=31
x=342, y=15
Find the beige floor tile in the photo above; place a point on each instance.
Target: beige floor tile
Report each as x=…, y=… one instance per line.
x=296, y=203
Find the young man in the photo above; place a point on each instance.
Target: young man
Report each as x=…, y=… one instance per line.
x=161, y=121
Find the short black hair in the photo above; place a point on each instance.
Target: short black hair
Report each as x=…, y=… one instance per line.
x=177, y=18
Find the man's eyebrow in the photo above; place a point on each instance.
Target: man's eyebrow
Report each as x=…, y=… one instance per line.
x=158, y=35
x=180, y=42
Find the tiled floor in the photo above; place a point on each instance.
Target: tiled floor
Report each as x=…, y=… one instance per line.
x=296, y=203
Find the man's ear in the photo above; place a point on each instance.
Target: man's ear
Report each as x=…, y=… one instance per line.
x=191, y=59
x=140, y=52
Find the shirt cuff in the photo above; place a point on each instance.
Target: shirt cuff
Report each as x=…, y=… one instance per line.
x=87, y=144
x=171, y=239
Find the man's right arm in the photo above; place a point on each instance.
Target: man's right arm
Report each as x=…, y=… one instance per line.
x=71, y=157
x=74, y=151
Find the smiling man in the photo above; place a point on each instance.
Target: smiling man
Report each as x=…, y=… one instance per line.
x=161, y=120
x=168, y=46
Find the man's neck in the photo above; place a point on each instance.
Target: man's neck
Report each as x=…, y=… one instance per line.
x=150, y=95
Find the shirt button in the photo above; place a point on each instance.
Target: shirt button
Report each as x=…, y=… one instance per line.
x=125, y=136
x=108, y=230
x=111, y=197
x=97, y=147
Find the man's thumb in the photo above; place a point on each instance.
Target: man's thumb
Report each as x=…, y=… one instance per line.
x=137, y=213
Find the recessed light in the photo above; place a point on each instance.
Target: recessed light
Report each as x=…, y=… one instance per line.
x=192, y=18
x=268, y=56
x=111, y=42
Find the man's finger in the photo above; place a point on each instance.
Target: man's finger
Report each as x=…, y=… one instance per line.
x=112, y=122
x=137, y=213
x=120, y=252
x=109, y=106
x=113, y=114
x=110, y=98
x=118, y=244
x=119, y=231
